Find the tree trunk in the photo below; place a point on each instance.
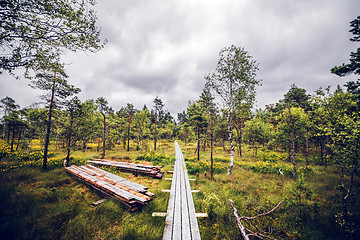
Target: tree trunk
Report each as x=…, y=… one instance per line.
x=198, y=144
x=48, y=126
x=28, y=146
x=322, y=150
x=292, y=150
x=276, y=144
x=231, y=143
x=84, y=144
x=185, y=136
x=12, y=141
x=204, y=147
x=19, y=140
x=240, y=137
x=211, y=148
x=128, y=135
x=254, y=148
x=155, y=132
x=69, y=142
x=8, y=136
x=307, y=148
x=346, y=193
x=138, y=140
x=103, y=137
x=223, y=143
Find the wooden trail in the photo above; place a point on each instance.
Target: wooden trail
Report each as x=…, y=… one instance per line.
x=181, y=222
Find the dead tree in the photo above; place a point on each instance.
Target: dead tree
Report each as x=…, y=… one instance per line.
x=246, y=232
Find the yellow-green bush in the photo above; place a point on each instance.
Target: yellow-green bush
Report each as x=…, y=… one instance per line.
x=202, y=166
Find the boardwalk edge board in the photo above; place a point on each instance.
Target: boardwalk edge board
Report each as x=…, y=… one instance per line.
x=167, y=191
x=170, y=179
x=163, y=214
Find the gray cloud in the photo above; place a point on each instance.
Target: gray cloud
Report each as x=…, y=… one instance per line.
x=165, y=48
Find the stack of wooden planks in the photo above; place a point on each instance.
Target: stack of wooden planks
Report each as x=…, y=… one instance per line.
x=150, y=170
x=131, y=194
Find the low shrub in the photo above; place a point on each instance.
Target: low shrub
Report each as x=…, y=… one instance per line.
x=156, y=159
x=202, y=166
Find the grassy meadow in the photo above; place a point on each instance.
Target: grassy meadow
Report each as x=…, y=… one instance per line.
x=54, y=205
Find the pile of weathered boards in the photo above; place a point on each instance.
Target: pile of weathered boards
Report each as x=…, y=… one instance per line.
x=149, y=170
x=131, y=194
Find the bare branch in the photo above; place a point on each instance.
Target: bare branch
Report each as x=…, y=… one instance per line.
x=243, y=230
x=263, y=214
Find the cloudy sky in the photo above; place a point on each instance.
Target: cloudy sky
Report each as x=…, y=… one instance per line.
x=165, y=48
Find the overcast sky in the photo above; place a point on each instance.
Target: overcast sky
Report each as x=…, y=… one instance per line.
x=165, y=48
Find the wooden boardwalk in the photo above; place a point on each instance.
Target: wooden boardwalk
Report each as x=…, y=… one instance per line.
x=181, y=222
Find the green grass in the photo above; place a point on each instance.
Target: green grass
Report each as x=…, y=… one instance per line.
x=53, y=205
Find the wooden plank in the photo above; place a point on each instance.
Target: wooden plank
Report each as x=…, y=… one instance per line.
x=177, y=222
x=128, y=163
x=195, y=233
x=186, y=228
x=163, y=214
x=118, y=184
x=98, y=202
x=109, y=186
x=153, y=171
x=127, y=182
x=158, y=214
x=170, y=210
x=202, y=215
x=167, y=191
x=112, y=189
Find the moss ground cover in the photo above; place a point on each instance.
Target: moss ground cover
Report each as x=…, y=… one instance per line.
x=43, y=205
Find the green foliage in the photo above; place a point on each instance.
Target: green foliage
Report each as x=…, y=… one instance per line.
x=257, y=131
x=297, y=97
x=157, y=159
x=202, y=166
x=58, y=206
x=234, y=77
x=32, y=32
x=274, y=167
x=212, y=205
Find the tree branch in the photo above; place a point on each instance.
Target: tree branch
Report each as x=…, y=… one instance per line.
x=263, y=214
x=259, y=234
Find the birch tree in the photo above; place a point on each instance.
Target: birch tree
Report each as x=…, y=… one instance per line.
x=234, y=80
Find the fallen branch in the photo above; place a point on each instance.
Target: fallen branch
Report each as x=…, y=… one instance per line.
x=238, y=221
x=260, y=234
x=262, y=214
